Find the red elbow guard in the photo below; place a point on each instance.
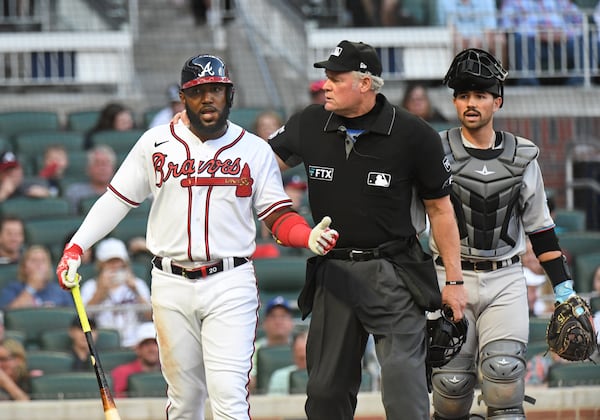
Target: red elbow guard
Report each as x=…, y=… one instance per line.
x=290, y=229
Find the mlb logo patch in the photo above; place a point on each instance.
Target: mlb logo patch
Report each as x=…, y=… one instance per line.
x=379, y=179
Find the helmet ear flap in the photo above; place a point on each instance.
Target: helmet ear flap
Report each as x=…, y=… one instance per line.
x=230, y=94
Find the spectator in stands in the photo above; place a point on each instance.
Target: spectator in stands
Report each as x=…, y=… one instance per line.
x=316, y=92
x=175, y=105
x=277, y=325
x=56, y=160
x=535, y=277
x=474, y=24
x=416, y=101
x=114, y=116
x=146, y=349
x=12, y=239
x=266, y=123
x=13, y=183
x=115, y=287
x=280, y=378
x=79, y=346
x=35, y=285
x=101, y=163
x=296, y=188
x=553, y=25
x=11, y=386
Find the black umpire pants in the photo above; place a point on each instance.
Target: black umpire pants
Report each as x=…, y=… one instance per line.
x=351, y=300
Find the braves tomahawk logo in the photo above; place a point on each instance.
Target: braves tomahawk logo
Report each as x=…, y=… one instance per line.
x=207, y=70
x=233, y=174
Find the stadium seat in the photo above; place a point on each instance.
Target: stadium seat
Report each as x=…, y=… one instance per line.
x=34, y=321
x=149, y=114
x=595, y=304
x=16, y=335
x=570, y=220
x=32, y=144
x=113, y=358
x=67, y=385
x=536, y=348
x=269, y=359
x=578, y=243
x=131, y=226
x=18, y=122
x=283, y=276
x=299, y=379
x=51, y=231
x=119, y=141
x=142, y=210
x=146, y=385
x=82, y=121
x=8, y=274
x=537, y=329
x=585, y=267
x=573, y=374
x=245, y=117
x=59, y=340
x=49, y=361
x=77, y=168
x=27, y=208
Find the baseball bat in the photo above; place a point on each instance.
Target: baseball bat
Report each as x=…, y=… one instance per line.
x=110, y=409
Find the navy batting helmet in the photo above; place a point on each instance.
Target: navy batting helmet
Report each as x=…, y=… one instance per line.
x=203, y=69
x=446, y=338
x=476, y=69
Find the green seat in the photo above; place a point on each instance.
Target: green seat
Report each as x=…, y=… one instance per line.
x=585, y=268
x=59, y=340
x=570, y=220
x=131, y=226
x=18, y=122
x=35, y=321
x=32, y=144
x=28, y=208
x=49, y=361
x=268, y=360
x=283, y=276
x=246, y=116
x=536, y=348
x=595, y=304
x=77, y=168
x=82, y=121
x=578, y=243
x=51, y=231
x=537, y=329
x=142, y=210
x=146, y=385
x=119, y=141
x=573, y=374
x=149, y=114
x=113, y=358
x=299, y=379
x=16, y=335
x=67, y=385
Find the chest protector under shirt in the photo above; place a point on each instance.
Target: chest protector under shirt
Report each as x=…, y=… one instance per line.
x=485, y=193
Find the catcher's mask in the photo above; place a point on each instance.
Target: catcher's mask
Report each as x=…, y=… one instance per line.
x=478, y=70
x=446, y=338
x=206, y=68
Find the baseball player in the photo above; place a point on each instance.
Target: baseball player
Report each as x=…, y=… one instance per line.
x=373, y=166
x=205, y=180
x=498, y=196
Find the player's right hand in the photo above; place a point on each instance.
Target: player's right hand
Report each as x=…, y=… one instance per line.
x=66, y=271
x=322, y=239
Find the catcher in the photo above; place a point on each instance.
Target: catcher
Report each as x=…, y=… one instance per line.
x=499, y=201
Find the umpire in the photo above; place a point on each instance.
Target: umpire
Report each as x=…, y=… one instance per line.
x=375, y=169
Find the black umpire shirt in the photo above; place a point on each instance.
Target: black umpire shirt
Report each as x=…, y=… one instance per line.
x=366, y=187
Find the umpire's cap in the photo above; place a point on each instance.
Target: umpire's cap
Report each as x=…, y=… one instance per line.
x=202, y=69
x=352, y=56
x=476, y=69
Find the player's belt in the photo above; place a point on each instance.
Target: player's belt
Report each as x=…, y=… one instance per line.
x=200, y=272
x=483, y=265
x=388, y=249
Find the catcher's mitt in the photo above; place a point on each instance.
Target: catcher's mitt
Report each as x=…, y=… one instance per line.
x=570, y=332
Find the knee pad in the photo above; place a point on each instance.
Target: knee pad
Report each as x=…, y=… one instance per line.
x=503, y=369
x=453, y=387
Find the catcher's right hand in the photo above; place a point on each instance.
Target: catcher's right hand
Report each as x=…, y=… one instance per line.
x=570, y=332
x=66, y=271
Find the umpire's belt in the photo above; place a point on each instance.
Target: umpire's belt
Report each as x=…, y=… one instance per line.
x=483, y=265
x=200, y=272
x=387, y=249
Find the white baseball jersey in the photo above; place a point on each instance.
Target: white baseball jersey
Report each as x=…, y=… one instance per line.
x=203, y=193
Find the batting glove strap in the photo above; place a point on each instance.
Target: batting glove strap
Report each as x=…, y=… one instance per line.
x=66, y=271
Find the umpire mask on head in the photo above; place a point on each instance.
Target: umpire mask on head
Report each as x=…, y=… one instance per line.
x=478, y=70
x=206, y=68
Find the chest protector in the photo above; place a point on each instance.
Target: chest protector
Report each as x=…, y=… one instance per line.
x=485, y=193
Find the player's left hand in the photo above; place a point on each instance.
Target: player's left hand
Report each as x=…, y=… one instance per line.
x=322, y=239
x=66, y=271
